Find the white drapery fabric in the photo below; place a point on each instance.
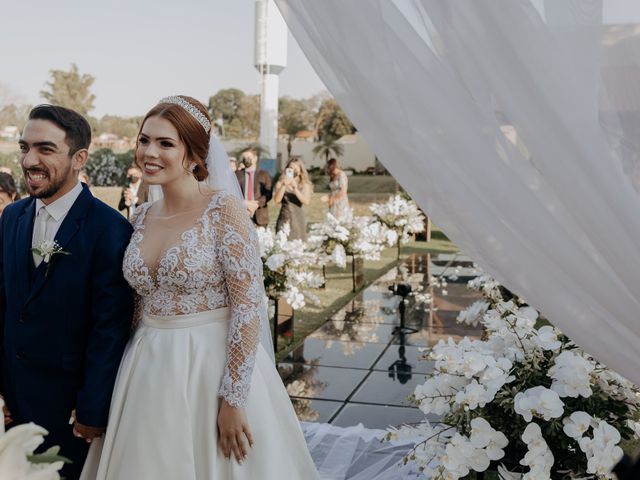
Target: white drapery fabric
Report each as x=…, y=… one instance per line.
x=440, y=89
x=358, y=453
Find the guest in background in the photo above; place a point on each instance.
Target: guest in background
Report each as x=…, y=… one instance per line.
x=256, y=186
x=8, y=190
x=338, y=184
x=233, y=163
x=293, y=190
x=6, y=170
x=135, y=193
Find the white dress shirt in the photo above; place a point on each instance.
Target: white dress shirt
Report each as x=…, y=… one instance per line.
x=47, y=224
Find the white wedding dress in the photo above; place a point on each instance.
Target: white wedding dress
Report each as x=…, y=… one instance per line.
x=197, y=342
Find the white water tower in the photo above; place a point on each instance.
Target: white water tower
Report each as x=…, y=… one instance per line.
x=270, y=60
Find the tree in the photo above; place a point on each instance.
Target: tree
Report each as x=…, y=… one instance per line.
x=295, y=116
x=70, y=89
x=120, y=126
x=328, y=145
x=249, y=116
x=107, y=169
x=13, y=114
x=240, y=113
x=332, y=121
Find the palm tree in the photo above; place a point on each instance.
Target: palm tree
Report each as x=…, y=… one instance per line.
x=292, y=129
x=328, y=145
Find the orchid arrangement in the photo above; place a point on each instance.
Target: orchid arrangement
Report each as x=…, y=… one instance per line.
x=358, y=237
x=399, y=215
x=17, y=460
x=286, y=268
x=524, y=400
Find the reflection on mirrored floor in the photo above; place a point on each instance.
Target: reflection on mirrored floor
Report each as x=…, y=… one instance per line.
x=355, y=332
x=312, y=410
x=360, y=366
x=389, y=388
x=315, y=381
x=336, y=353
x=398, y=357
x=376, y=416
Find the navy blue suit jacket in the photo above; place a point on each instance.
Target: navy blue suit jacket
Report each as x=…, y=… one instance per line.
x=62, y=335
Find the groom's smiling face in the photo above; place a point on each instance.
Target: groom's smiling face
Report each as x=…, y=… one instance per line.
x=45, y=160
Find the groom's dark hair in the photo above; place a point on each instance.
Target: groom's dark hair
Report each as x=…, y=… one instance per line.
x=77, y=129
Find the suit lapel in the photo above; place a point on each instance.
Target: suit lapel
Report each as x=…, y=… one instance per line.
x=24, y=234
x=68, y=229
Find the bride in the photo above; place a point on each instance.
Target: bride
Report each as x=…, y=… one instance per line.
x=197, y=394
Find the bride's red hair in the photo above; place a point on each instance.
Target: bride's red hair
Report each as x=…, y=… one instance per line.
x=192, y=134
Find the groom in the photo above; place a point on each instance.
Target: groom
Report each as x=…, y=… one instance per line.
x=64, y=317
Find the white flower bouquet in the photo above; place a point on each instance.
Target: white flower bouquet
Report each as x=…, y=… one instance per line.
x=286, y=266
x=17, y=460
x=358, y=237
x=401, y=217
x=524, y=401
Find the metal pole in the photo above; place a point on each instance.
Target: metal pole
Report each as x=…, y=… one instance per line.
x=275, y=327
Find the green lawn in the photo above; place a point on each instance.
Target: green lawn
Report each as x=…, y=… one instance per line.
x=361, y=184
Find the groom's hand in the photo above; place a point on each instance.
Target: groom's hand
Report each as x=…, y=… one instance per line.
x=85, y=431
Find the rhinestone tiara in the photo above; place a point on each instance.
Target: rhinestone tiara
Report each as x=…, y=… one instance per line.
x=191, y=109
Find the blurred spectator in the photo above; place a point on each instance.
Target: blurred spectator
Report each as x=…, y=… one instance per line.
x=233, y=164
x=6, y=170
x=256, y=188
x=293, y=190
x=135, y=193
x=338, y=184
x=8, y=190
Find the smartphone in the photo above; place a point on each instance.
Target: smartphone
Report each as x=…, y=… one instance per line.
x=288, y=172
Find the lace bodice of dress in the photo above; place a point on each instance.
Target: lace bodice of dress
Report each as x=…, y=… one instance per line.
x=215, y=264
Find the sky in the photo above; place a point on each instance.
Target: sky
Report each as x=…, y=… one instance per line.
x=139, y=50
x=142, y=50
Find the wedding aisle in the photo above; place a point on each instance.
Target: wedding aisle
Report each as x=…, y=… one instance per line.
x=352, y=377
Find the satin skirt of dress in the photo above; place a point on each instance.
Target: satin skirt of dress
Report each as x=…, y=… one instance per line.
x=163, y=417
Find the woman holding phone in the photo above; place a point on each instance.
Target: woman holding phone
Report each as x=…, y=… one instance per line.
x=293, y=190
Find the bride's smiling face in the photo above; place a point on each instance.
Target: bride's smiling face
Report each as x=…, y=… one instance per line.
x=160, y=152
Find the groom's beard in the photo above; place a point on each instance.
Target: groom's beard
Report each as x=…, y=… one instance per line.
x=50, y=188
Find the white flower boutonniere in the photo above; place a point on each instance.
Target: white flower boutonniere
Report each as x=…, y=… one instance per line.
x=48, y=250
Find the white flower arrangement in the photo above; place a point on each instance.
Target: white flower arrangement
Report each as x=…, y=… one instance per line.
x=358, y=237
x=542, y=407
x=400, y=216
x=17, y=460
x=286, y=268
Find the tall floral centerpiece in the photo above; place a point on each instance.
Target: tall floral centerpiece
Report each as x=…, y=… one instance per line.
x=401, y=216
x=524, y=400
x=286, y=268
x=335, y=239
x=17, y=460
x=287, y=271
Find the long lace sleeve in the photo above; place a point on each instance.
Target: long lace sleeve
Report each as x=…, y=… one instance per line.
x=239, y=254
